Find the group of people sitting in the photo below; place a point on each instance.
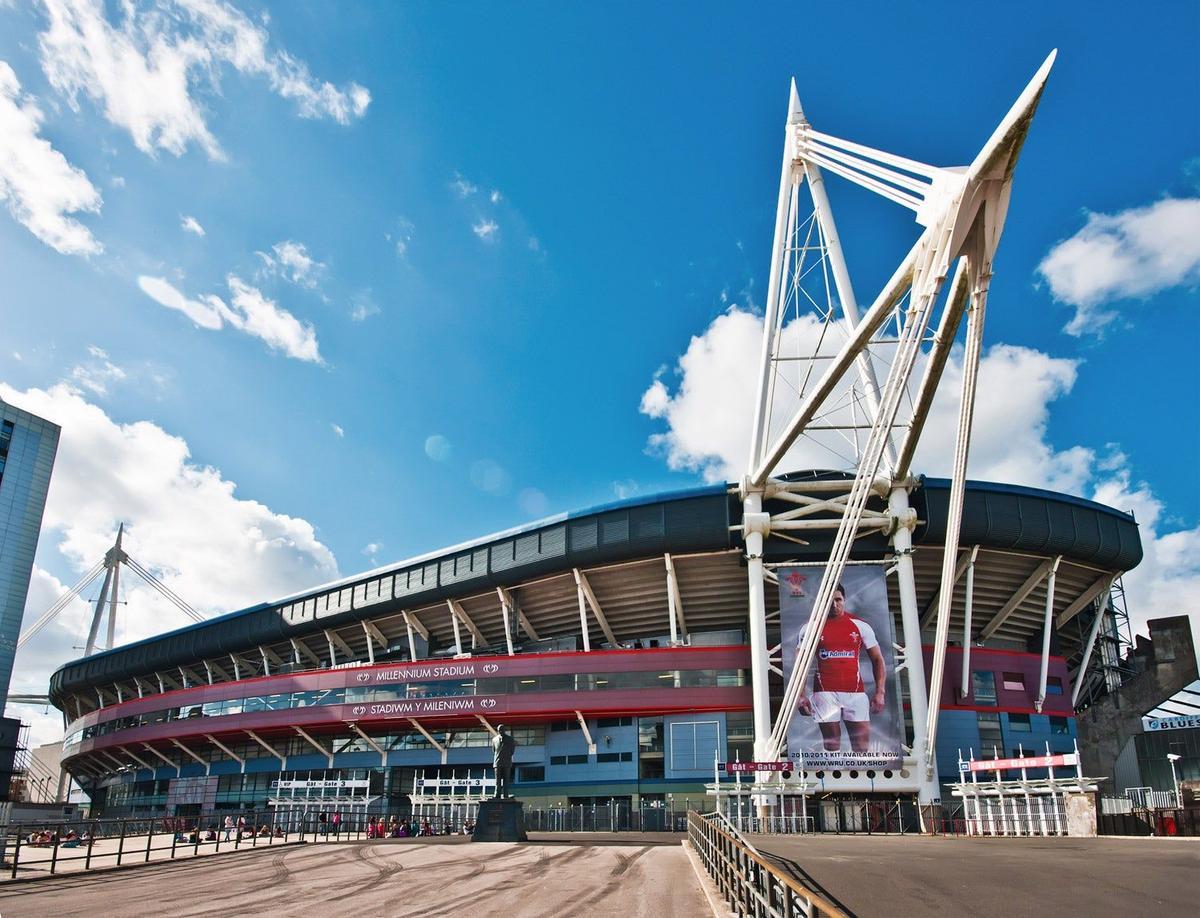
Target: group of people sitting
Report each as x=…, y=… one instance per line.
x=381, y=827
x=45, y=838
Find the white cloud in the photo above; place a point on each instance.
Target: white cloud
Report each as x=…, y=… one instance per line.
x=1167, y=582
x=293, y=262
x=490, y=477
x=117, y=181
x=363, y=306
x=191, y=225
x=207, y=312
x=250, y=312
x=403, y=235
x=38, y=184
x=624, y=489
x=97, y=374
x=145, y=66
x=533, y=502
x=1133, y=254
x=495, y=197
x=437, y=448
x=371, y=549
x=708, y=430
x=487, y=230
x=264, y=319
x=462, y=187
x=708, y=416
x=1009, y=438
x=338, y=431
x=184, y=521
x=535, y=244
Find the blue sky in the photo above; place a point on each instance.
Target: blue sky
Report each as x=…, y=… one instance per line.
x=495, y=224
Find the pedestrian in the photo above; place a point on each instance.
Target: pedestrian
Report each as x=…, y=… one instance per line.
x=228, y=826
x=337, y=824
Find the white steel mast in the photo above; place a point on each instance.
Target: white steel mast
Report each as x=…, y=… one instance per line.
x=806, y=388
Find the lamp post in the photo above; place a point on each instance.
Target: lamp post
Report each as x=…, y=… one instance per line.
x=1173, y=758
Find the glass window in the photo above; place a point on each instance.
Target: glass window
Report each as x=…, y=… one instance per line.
x=558, y=760
x=1060, y=725
x=603, y=722
x=577, y=759
x=1019, y=723
x=989, y=731
x=650, y=734
x=983, y=688
x=529, y=773
x=1054, y=685
x=1014, y=682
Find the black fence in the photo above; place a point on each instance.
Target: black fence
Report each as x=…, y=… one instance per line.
x=92, y=843
x=607, y=818
x=1185, y=822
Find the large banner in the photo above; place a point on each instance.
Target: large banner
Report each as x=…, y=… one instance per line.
x=848, y=714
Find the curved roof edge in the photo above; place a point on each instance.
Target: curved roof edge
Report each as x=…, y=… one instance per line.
x=998, y=516
x=427, y=557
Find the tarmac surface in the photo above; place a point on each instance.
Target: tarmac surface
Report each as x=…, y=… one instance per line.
x=633, y=875
x=998, y=877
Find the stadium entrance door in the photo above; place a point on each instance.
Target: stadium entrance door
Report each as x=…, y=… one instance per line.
x=312, y=802
x=1034, y=804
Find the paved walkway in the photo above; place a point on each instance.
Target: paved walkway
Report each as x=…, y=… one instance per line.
x=999, y=877
x=628, y=875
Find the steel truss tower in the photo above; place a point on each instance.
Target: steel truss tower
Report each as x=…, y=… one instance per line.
x=859, y=385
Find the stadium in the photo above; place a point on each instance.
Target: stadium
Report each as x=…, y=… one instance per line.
x=613, y=642
x=852, y=631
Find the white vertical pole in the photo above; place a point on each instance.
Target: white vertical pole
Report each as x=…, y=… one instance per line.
x=370, y=647
x=457, y=634
x=965, y=687
x=583, y=622
x=755, y=524
x=112, y=599
x=504, y=611
x=1025, y=788
x=958, y=489
x=914, y=659
x=1101, y=614
x=94, y=631
x=1046, y=630
x=671, y=610
x=787, y=179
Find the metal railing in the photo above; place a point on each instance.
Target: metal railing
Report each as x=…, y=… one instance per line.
x=751, y=884
x=773, y=825
x=1162, y=822
x=613, y=818
x=53, y=847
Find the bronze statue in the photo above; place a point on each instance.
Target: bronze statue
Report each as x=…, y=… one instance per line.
x=503, y=746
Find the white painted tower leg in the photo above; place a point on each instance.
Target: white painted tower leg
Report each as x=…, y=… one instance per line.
x=756, y=523
x=928, y=791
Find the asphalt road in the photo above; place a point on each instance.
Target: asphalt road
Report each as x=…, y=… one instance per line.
x=999, y=877
x=629, y=875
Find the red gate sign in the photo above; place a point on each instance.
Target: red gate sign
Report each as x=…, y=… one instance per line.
x=733, y=767
x=1030, y=761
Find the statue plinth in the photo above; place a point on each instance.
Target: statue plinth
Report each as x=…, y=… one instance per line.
x=501, y=819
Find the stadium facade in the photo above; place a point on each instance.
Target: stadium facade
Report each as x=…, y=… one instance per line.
x=613, y=643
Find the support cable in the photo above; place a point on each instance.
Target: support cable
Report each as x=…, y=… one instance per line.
x=60, y=604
